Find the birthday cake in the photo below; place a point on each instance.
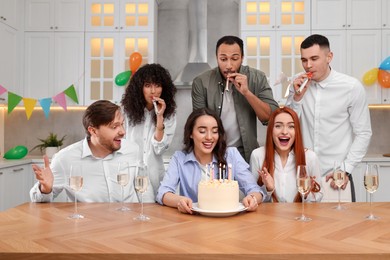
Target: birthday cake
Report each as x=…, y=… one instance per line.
x=218, y=195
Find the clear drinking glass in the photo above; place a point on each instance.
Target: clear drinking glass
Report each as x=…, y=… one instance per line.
x=339, y=176
x=76, y=184
x=141, y=181
x=304, y=186
x=123, y=177
x=371, y=183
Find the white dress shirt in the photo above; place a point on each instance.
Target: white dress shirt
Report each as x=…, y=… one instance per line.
x=335, y=120
x=285, y=178
x=99, y=175
x=150, y=150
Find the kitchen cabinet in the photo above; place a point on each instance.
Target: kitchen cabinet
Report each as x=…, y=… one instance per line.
x=274, y=53
x=116, y=29
x=107, y=55
x=272, y=32
x=53, y=62
x=53, y=48
x=15, y=185
x=346, y=14
x=354, y=53
x=275, y=15
x=9, y=13
x=120, y=15
x=54, y=15
x=9, y=61
x=383, y=193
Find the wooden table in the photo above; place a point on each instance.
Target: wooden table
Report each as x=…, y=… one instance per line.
x=42, y=231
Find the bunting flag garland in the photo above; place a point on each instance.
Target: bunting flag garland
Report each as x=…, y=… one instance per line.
x=13, y=101
x=29, y=103
x=71, y=92
x=45, y=104
x=60, y=99
x=2, y=90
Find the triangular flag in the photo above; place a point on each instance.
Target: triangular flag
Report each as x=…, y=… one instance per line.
x=45, y=104
x=71, y=92
x=13, y=101
x=2, y=90
x=60, y=99
x=29, y=104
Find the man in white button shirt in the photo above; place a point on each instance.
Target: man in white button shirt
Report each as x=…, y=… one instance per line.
x=99, y=153
x=334, y=114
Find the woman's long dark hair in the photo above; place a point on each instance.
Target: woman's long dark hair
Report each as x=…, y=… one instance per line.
x=133, y=101
x=220, y=148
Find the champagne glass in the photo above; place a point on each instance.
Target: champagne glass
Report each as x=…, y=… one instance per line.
x=141, y=184
x=76, y=184
x=122, y=177
x=303, y=185
x=371, y=182
x=339, y=176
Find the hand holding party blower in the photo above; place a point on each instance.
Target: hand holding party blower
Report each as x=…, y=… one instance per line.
x=309, y=75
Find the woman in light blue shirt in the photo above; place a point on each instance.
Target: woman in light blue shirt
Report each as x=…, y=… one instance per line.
x=204, y=143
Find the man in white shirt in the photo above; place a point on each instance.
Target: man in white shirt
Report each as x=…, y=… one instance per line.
x=334, y=114
x=99, y=153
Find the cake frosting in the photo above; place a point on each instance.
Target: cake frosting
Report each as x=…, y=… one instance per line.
x=218, y=195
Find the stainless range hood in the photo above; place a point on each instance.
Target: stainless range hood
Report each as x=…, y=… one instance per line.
x=197, y=43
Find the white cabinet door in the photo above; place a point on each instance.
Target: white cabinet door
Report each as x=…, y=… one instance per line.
x=10, y=13
x=273, y=53
x=16, y=183
x=275, y=15
x=346, y=14
x=107, y=55
x=354, y=53
x=120, y=15
x=385, y=54
x=53, y=62
x=54, y=15
x=9, y=61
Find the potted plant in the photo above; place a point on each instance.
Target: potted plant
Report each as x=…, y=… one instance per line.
x=51, y=144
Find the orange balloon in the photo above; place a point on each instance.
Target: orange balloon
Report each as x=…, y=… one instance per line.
x=384, y=78
x=135, y=61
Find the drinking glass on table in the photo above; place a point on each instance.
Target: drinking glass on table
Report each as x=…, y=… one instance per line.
x=371, y=182
x=339, y=176
x=141, y=181
x=76, y=184
x=304, y=186
x=123, y=177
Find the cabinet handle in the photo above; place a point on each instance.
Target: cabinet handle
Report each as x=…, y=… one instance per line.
x=56, y=27
x=51, y=27
x=1, y=173
x=349, y=25
x=116, y=27
x=18, y=169
x=384, y=25
x=121, y=27
x=344, y=25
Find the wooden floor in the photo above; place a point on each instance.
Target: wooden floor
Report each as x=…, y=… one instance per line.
x=42, y=231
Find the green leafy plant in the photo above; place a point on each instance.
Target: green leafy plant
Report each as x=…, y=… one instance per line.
x=51, y=141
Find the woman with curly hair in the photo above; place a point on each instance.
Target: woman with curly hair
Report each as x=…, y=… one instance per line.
x=150, y=108
x=204, y=144
x=274, y=165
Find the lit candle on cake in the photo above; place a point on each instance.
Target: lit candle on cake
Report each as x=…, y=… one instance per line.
x=220, y=171
x=211, y=171
x=224, y=171
x=230, y=172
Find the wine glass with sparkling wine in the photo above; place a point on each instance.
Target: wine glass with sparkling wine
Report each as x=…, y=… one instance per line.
x=141, y=185
x=371, y=182
x=76, y=184
x=122, y=178
x=304, y=186
x=339, y=176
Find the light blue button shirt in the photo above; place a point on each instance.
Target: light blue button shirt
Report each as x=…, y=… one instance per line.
x=184, y=171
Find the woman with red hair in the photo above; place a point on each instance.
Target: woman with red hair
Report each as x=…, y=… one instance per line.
x=274, y=165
